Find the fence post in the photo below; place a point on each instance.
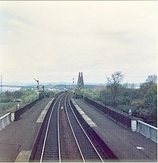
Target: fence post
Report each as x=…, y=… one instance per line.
x=12, y=116
x=133, y=125
x=138, y=127
x=148, y=133
x=2, y=123
x=8, y=119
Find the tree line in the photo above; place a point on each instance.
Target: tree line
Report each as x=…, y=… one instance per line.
x=141, y=101
x=9, y=100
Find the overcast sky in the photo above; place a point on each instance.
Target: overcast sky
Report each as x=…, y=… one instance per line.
x=53, y=41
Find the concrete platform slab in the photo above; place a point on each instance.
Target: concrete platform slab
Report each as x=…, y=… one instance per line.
x=126, y=145
x=23, y=156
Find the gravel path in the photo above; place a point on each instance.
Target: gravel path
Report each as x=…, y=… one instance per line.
x=19, y=135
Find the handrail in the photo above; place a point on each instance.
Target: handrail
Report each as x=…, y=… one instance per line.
x=5, y=120
x=149, y=131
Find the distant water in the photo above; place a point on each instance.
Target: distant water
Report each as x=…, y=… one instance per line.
x=10, y=89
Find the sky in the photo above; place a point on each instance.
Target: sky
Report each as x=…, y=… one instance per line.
x=55, y=40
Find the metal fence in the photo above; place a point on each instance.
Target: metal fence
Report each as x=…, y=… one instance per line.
x=147, y=130
x=5, y=120
x=20, y=111
x=116, y=115
x=136, y=124
x=11, y=116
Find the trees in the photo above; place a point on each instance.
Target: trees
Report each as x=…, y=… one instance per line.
x=152, y=79
x=114, y=87
x=17, y=94
x=142, y=101
x=7, y=99
x=148, y=97
x=148, y=92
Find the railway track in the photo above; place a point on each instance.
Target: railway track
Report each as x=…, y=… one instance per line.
x=64, y=138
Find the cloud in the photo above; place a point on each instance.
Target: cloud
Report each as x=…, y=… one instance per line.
x=56, y=40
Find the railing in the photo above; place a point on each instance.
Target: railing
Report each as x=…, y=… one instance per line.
x=20, y=111
x=147, y=130
x=134, y=123
x=118, y=116
x=12, y=116
x=5, y=120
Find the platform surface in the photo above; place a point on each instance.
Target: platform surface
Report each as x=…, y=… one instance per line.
x=16, y=140
x=126, y=145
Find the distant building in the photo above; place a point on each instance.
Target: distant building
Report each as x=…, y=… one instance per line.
x=80, y=82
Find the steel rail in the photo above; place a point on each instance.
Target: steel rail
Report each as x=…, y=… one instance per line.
x=74, y=135
x=64, y=100
x=48, y=125
x=85, y=132
x=58, y=128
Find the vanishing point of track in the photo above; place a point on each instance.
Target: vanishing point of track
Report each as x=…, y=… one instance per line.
x=64, y=138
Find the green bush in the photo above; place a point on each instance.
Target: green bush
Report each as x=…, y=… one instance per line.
x=6, y=100
x=5, y=106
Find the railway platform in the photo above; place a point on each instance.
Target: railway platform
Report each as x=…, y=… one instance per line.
x=17, y=139
x=125, y=144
